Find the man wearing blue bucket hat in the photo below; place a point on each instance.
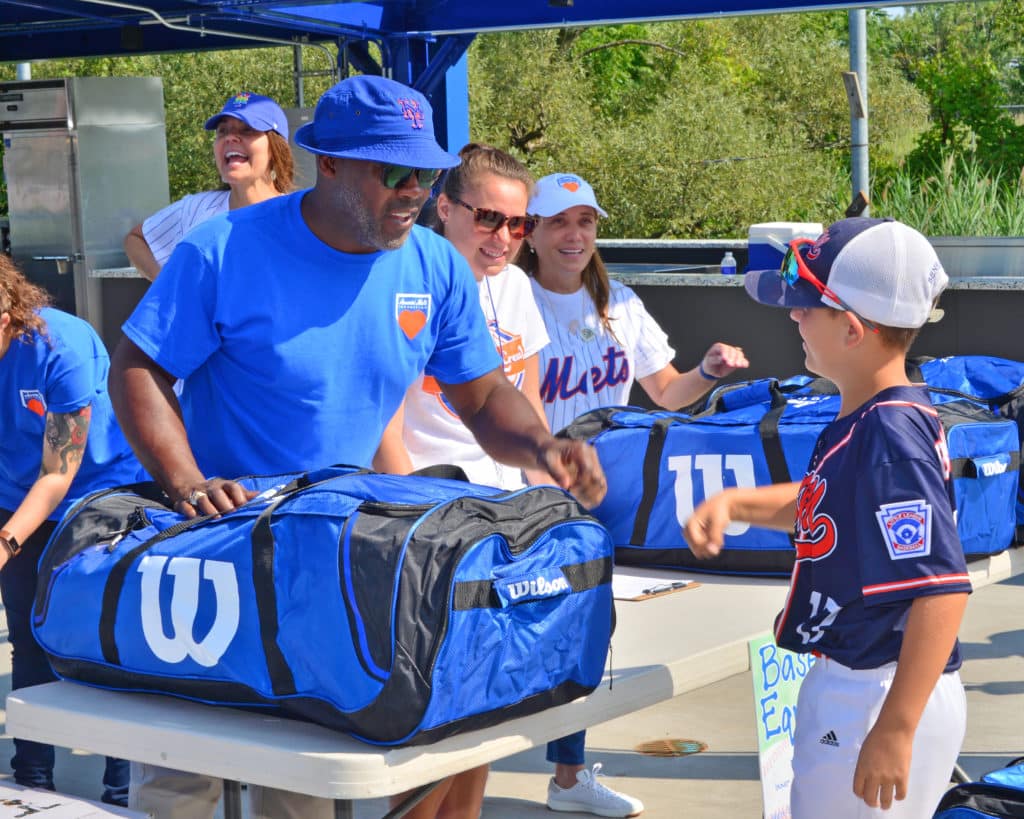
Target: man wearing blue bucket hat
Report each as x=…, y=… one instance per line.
x=297, y=324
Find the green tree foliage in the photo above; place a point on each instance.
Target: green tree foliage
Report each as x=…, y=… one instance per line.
x=966, y=59
x=690, y=129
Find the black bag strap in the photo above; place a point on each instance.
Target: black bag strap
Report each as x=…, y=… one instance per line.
x=650, y=476
x=771, y=442
x=913, y=367
x=281, y=678
x=480, y=594
x=966, y=468
x=447, y=471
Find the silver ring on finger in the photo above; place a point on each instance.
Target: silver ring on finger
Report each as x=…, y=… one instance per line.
x=194, y=496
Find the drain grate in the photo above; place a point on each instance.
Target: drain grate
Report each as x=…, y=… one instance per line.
x=672, y=747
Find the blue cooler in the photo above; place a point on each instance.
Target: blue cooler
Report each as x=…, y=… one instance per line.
x=766, y=242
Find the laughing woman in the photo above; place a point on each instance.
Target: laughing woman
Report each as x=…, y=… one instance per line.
x=254, y=161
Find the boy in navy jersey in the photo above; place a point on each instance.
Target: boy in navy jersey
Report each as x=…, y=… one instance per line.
x=880, y=583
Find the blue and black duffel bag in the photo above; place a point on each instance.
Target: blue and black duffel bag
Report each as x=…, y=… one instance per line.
x=997, y=382
x=398, y=609
x=661, y=465
x=998, y=794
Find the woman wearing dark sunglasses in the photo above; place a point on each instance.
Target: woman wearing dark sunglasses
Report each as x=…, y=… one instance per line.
x=481, y=210
x=602, y=339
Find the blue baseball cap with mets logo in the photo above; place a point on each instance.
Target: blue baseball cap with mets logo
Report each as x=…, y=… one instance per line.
x=255, y=110
x=375, y=119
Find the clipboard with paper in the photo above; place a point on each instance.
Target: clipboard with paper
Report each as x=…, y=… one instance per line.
x=634, y=586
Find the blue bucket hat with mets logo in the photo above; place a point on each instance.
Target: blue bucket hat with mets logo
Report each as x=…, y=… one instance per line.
x=378, y=120
x=258, y=112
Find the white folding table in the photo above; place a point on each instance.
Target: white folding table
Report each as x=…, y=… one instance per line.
x=662, y=647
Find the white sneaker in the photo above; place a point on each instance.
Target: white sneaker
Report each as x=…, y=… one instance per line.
x=590, y=796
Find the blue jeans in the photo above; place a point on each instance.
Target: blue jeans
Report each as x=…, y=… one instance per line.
x=568, y=750
x=32, y=762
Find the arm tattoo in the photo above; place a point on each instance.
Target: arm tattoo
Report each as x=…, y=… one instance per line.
x=65, y=437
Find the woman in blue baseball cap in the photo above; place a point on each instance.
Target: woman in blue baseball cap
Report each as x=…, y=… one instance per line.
x=254, y=161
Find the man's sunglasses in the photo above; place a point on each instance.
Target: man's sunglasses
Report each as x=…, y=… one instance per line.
x=794, y=267
x=519, y=227
x=394, y=176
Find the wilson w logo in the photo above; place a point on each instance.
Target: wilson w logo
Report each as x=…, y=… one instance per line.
x=712, y=477
x=185, y=606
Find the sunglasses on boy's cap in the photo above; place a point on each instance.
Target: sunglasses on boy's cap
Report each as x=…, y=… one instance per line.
x=881, y=270
x=795, y=268
x=519, y=227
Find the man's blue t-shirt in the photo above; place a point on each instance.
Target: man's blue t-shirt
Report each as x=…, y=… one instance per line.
x=59, y=372
x=295, y=355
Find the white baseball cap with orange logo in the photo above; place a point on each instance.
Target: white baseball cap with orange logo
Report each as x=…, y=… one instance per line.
x=558, y=192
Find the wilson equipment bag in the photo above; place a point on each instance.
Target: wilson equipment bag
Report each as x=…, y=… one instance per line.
x=398, y=609
x=998, y=794
x=661, y=465
x=996, y=382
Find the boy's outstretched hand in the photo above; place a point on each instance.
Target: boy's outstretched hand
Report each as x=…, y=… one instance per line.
x=705, y=530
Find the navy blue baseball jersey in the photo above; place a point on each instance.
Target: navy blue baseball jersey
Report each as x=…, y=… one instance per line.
x=875, y=528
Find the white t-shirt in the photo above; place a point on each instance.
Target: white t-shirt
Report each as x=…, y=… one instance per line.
x=584, y=367
x=433, y=433
x=168, y=226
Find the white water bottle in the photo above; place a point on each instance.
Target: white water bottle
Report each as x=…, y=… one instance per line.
x=728, y=265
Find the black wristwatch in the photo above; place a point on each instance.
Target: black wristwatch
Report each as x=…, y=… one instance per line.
x=10, y=543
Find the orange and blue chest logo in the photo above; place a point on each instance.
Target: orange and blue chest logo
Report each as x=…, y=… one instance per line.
x=33, y=401
x=412, y=312
x=513, y=354
x=815, y=531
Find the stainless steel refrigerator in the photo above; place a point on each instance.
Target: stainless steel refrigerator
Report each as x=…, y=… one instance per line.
x=85, y=159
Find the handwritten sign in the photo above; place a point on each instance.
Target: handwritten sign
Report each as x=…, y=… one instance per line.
x=777, y=674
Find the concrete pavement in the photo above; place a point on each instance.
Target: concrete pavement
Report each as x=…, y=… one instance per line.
x=721, y=782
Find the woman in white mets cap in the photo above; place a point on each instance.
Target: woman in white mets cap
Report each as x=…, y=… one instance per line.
x=601, y=340
x=254, y=161
x=597, y=323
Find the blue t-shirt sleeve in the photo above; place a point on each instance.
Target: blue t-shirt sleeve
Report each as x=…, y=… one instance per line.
x=74, y=374
x=464, y=349
x=175, y=322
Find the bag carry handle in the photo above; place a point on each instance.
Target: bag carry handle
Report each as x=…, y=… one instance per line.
x=650, y=475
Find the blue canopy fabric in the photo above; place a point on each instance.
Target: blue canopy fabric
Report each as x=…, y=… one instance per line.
x=48, y=29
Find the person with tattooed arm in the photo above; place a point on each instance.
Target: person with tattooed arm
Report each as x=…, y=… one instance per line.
x=59, y=441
